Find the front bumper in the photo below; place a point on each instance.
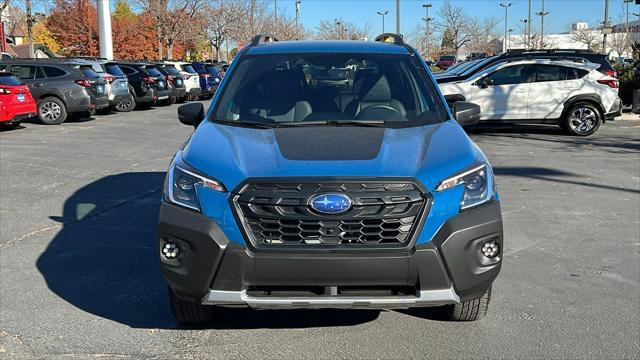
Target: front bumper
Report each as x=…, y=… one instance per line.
x=615, y=111
x=212, y=270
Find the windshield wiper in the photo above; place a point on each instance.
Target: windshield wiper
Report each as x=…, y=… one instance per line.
x=251, y=124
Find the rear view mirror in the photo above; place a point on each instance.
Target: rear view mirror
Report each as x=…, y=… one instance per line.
x=466, y=113
x=191, y=114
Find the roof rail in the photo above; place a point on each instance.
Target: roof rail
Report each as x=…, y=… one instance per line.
x=262, y=38
x=390, y=38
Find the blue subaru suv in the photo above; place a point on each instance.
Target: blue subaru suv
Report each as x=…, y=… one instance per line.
x=329, y=174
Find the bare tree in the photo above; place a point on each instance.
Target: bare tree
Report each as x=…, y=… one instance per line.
x=619, y=42
x=288, y=29
x=339, y=29
x=256, y=18
x=218, y=18
x=482, y=34
x=453, y=25
x=584, y=35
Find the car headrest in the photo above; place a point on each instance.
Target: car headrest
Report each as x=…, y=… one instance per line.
x=375, y=88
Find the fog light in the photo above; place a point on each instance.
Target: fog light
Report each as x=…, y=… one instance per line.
x=490, y=249
x=170, y=250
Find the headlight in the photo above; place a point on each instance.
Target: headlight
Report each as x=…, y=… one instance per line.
x=182, y=184
x=478, y=186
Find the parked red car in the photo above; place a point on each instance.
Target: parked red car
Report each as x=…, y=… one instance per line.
x=446, y=61
x=16, y=102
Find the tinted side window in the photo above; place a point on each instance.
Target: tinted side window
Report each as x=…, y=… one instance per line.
x=24, y=72
x=128, y=70
x=550, y=73
x=51, y=71
x=153, y=71
x=39, y=73
x=88, y=72
x=510, y=75
x=114, y=69
x=573, y=73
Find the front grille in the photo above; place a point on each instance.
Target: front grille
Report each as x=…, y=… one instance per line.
x=278, y=214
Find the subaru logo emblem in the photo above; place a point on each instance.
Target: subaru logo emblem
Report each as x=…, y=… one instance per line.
x=331, y=203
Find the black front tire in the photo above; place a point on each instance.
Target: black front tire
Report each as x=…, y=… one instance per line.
x=52, y=111
x=470, y=310
x=127, y=105
x=186, y=312
x=582, y=119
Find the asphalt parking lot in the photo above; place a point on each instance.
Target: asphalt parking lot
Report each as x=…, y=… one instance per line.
x=78, y=272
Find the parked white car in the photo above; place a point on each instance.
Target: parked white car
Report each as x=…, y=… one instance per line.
x=191, y=78
x=569, y=93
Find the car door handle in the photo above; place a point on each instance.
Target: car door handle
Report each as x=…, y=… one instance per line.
x=521, y=91
x=38, y=85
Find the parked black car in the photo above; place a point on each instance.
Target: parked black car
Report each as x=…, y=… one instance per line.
x=60, y=88
x=594, y=57
x=147, y=85
x=175, y=81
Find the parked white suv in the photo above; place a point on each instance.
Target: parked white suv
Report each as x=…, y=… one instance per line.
x=565, y=92
x=191, y=78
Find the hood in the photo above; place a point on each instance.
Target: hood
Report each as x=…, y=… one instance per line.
x=231, y=154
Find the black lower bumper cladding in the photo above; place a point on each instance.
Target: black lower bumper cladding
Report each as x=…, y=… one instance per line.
x=448, y=269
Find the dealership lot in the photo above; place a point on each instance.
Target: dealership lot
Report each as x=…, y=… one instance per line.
x=78, y=271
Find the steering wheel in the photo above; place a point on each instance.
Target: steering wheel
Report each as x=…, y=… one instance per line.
x=380, y=112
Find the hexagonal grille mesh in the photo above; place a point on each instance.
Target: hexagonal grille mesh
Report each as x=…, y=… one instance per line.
x=383, y=214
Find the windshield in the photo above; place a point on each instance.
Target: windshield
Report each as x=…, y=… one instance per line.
x=114, y=69
x=330, y=89
x=153, y=71
x=171, y=70
x=478, y=66
x=464, y=67
x=212, y=70
x=188, y=68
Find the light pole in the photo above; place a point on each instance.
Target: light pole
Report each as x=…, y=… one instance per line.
x=605, y=26
x=383, y=13
x=506, y=18
x=30, y=29
x=542, y=14
x=526, y=32
x=529, y=28
x=628, y=36
x=297, y=12
x=397, y=16
x=426, y=30
x=104, y=29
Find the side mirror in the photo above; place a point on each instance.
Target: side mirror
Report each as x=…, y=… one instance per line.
x=466, y=113
x=191, y=114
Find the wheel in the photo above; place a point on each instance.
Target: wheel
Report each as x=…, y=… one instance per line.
x=173, y=100
x=127, y=105
x=186, y=312
x=52, y=111
x=582, y=119
x=470, y=310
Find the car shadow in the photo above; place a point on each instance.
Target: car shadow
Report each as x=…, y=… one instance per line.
x=104, y=262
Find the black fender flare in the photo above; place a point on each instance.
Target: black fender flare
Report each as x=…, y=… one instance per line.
x=54, y=94
x=593, y=99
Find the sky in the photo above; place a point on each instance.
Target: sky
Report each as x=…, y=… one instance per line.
x=561, y=12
